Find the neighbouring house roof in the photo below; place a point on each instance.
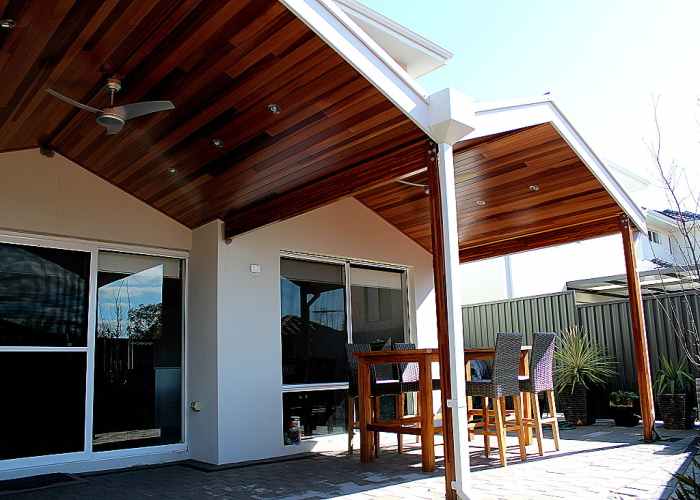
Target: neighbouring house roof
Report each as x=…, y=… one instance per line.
x=679, y=216
x=414, y=53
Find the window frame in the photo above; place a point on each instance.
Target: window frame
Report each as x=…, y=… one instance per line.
x=348, y=262
x=93, y=247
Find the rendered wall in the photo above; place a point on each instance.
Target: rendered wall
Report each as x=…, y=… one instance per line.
x=55, y=196
x=250, y=418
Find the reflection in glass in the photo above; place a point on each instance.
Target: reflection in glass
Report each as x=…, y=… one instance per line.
x=314, y=330
x=378, y=302
x=138, y=352
x=43, y=296
x=43, y=403
x=312, y=414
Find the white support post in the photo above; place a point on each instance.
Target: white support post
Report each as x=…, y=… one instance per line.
x=458, y=400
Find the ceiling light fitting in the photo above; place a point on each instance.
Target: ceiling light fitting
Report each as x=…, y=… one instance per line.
x=172, y=170
x=274, y=108
x=217, y=143
x=7, y=24
x=534, y=188
x=480, y=203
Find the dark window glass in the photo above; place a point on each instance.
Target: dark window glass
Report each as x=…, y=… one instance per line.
x=314, y=330
x=43, y=296
x=43, y=408
x=313, y=413
x=378, y=302
x=138, y=352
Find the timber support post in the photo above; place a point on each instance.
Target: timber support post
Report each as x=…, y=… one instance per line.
x=639, y=336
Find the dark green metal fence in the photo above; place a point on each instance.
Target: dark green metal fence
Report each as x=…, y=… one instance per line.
x=608, y=323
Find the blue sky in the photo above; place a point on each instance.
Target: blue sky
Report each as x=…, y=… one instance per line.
x=603, y=61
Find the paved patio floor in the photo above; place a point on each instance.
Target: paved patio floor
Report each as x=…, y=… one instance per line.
x=600, y=461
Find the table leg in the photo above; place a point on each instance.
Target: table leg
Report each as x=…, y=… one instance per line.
x=365, y=407
x=427, y=432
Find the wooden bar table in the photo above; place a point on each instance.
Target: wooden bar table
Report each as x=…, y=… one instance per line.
x=422, y=425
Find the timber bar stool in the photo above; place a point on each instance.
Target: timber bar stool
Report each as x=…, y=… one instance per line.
x=504, y=383
x=541, y=380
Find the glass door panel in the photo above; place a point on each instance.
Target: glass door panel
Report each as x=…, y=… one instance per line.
x=138, y=352
x=378, y=305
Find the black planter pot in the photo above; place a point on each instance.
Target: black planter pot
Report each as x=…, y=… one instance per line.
x=674, y=411
x=624, y=416
x=576, y=406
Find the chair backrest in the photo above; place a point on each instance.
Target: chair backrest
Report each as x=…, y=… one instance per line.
x=542, y=361
x=350, y=349
x=408, y=372
x=507, y=363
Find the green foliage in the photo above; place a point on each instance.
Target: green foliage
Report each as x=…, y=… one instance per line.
x=673, y=377
x=623, y=398
x=688, y=485
x=580, y=361
x=145, y=321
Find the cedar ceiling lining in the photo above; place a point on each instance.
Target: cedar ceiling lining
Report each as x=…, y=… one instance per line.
x=570, y=205
x=221, y=62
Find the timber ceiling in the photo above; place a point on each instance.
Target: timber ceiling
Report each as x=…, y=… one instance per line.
x=221, y=63
x=565, y=203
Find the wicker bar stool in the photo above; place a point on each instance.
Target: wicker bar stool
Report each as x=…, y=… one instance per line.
x=541, y=380
x=504, y=382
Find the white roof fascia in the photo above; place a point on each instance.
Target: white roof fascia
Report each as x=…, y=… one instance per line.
x=341, y=33
x=494, y=118
x=400, y=33
x=659, y=219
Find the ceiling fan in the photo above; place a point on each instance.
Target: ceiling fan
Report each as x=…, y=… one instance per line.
x=114, y=117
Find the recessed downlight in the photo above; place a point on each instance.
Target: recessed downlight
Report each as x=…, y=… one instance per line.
x=480, y=203
x=172, y=170
x=534, y=188
x=7, y=24
x=217, y=143
x=274, y=108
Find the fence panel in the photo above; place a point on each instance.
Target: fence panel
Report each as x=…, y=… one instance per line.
x=542, y=313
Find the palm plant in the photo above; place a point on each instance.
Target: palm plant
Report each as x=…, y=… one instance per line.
x=580, y=361
x=672, y=377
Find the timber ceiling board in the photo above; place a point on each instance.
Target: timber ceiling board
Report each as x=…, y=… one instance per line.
x=565, y=203
x=221, y=62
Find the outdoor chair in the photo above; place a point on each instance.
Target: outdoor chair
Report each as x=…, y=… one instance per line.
x=504, y=382
x=541, y=380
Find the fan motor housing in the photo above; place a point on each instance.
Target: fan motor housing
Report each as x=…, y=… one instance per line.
x=110, y=120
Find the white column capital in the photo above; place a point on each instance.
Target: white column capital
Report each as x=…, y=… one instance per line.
x=451, y=116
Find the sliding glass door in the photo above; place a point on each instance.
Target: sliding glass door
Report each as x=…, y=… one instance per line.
x=91, y=351
x=44, y=295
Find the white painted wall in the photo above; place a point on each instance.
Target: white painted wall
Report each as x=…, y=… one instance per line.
x=55, y=196
x=250, y=416
x=204, y=330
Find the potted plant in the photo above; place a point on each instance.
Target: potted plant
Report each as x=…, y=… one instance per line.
x=622, y=408
x=673, y=381
x=579, y=364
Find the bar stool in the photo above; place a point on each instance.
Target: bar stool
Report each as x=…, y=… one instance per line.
x=540, y=380
x=504, y=383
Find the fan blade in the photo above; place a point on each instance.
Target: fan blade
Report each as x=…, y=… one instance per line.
x=73, y=102
x=114, y=129
x=129, y=111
